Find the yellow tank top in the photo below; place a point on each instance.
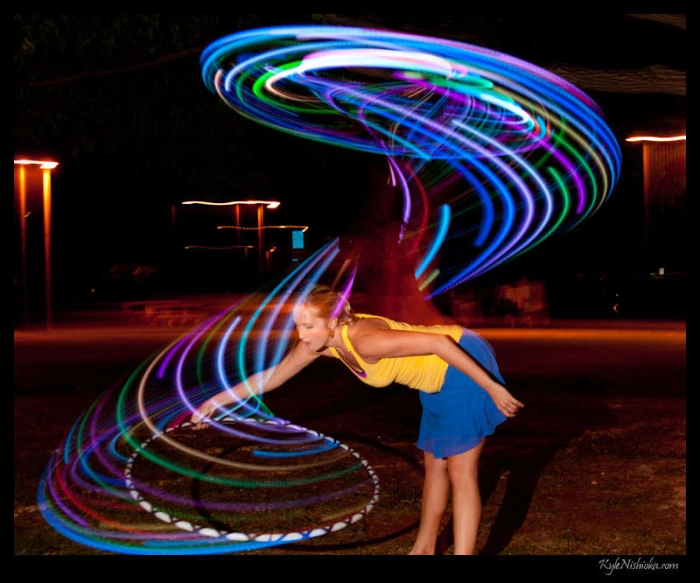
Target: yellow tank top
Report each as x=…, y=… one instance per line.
x=425, y=372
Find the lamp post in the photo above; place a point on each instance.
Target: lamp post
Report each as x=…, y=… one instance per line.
x=657, y=165
x=28, y=180
x=261, y=206
x=261, y=250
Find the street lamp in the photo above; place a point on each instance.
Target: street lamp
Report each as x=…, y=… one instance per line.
x=663, y=159
x=27, y=179
x=261, y=205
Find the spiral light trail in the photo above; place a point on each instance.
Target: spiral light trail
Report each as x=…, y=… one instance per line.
x=492, y=155
x=514, y=152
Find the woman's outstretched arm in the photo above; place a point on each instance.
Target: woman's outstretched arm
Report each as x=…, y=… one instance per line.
x=261, y=382
x=374, y=344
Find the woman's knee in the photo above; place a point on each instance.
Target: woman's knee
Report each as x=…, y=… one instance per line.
x=464, y=467
x=435, y=465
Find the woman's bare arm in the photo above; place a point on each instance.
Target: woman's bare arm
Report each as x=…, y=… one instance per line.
x=261, y=382
x=375, y=344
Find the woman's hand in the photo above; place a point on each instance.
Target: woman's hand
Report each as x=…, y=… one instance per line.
x=204, y=411
x=506, y=403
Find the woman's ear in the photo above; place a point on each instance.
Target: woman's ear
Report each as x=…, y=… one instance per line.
x=332, y=323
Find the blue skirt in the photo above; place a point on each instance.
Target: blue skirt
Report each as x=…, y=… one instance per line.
x=461, y=414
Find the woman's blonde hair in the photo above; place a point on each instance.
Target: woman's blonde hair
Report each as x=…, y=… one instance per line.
x=330, y=304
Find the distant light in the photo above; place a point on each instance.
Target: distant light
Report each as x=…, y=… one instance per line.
x=44, y=164
x=271, y=204
x=213, y=248
x=297, y=239
x=656, y=139
x=302, y=227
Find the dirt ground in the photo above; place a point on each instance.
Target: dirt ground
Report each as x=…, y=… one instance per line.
x=594, y=465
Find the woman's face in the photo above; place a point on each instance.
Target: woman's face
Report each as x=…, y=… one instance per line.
x=312, y=329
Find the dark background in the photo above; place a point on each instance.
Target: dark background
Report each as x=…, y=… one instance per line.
x=119, y=101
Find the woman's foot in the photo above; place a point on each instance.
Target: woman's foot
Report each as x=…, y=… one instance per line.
x=421, y=551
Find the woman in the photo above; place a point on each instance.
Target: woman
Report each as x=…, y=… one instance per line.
x=461, y=392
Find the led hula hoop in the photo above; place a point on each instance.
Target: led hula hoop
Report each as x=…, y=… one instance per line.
x=134, y=450
x=255, y=540
x=493, y=154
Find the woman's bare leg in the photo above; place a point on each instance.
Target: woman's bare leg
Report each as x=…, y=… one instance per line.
x=466, y=498
x=436, y=486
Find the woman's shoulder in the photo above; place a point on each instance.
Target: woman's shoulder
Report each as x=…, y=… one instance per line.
x=369, y=322
x=364, y=327
x=362, y=334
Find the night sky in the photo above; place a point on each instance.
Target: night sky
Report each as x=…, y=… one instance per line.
x=119, y=101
